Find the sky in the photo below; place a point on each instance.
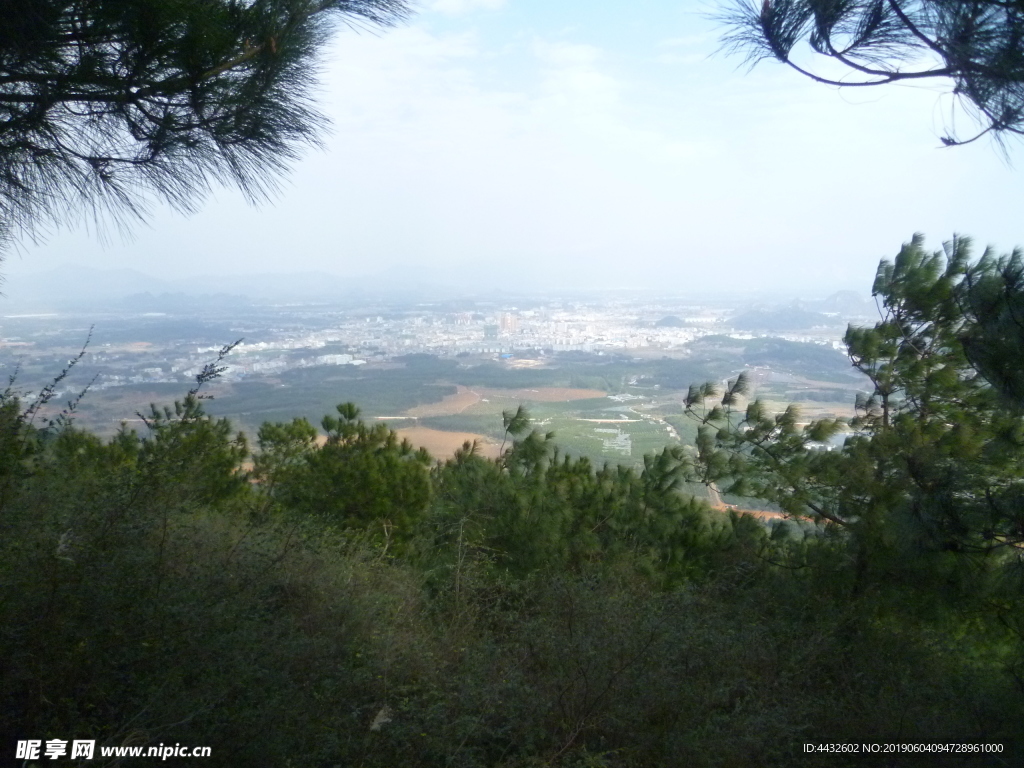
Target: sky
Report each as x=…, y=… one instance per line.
x=585, y=144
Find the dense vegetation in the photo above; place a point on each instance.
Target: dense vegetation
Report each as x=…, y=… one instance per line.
x=350, y=601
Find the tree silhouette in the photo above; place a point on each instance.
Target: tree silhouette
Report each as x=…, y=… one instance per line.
x=978, y=45
x=110, y=105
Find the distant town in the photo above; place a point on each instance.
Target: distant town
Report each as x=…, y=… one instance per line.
x=132, y=348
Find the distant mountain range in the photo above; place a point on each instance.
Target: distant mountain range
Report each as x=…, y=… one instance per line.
x=835, y=310
x=789, y=319
x=71, y=287
x=844, y=303
x=76, y=287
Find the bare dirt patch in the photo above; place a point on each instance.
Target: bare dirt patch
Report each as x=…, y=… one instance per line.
x=449, y=406
x=761, y=514
x=130, y=346
x=808, y=410
x=442, y=444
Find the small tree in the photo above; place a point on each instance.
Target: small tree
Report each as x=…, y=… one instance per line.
x=362, y=477
x=105, y=105
x=929, y=482
x=978, y=45
x=535, y=508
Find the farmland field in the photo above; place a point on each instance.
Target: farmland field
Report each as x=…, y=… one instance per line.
x=610, y=408
x=600, y=428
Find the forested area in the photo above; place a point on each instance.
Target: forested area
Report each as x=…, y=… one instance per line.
x=351, y=601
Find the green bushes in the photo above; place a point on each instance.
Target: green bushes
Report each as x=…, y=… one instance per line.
x=532, y=611
x=362, y=477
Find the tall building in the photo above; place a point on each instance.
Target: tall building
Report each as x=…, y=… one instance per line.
x=508, y=323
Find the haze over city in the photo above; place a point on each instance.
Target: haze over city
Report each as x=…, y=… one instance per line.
x=524, y=145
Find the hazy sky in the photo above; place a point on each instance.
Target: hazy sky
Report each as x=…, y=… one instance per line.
x=604, y=144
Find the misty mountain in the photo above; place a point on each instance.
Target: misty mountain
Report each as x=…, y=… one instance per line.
x=669, y=321
x=847, y=304
x=785, y=319
x=73, y=286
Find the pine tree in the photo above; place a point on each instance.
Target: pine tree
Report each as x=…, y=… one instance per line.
x=977, y=45
x=361, y=477
x=930, y=480
x=537, y=509
x=992, y=296
x=107, y=105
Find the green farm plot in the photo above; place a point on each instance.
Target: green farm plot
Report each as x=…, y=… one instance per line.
x=485, y=417
x=481, y=424
x=250, y=403
x=621, y=443
x=599, y=428
x=685, y=427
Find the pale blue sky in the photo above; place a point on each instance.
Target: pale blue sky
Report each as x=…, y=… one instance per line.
x=590, y=143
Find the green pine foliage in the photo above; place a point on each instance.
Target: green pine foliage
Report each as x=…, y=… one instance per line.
x=109, y=105
x=535, y=509
x=335, y=597
x=361, y=477
x=973, y=46
x=992, y=295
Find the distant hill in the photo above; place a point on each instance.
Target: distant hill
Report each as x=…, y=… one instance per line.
x=74, y=286
x=787, y=319
x=669, y=321
x=847, y=304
